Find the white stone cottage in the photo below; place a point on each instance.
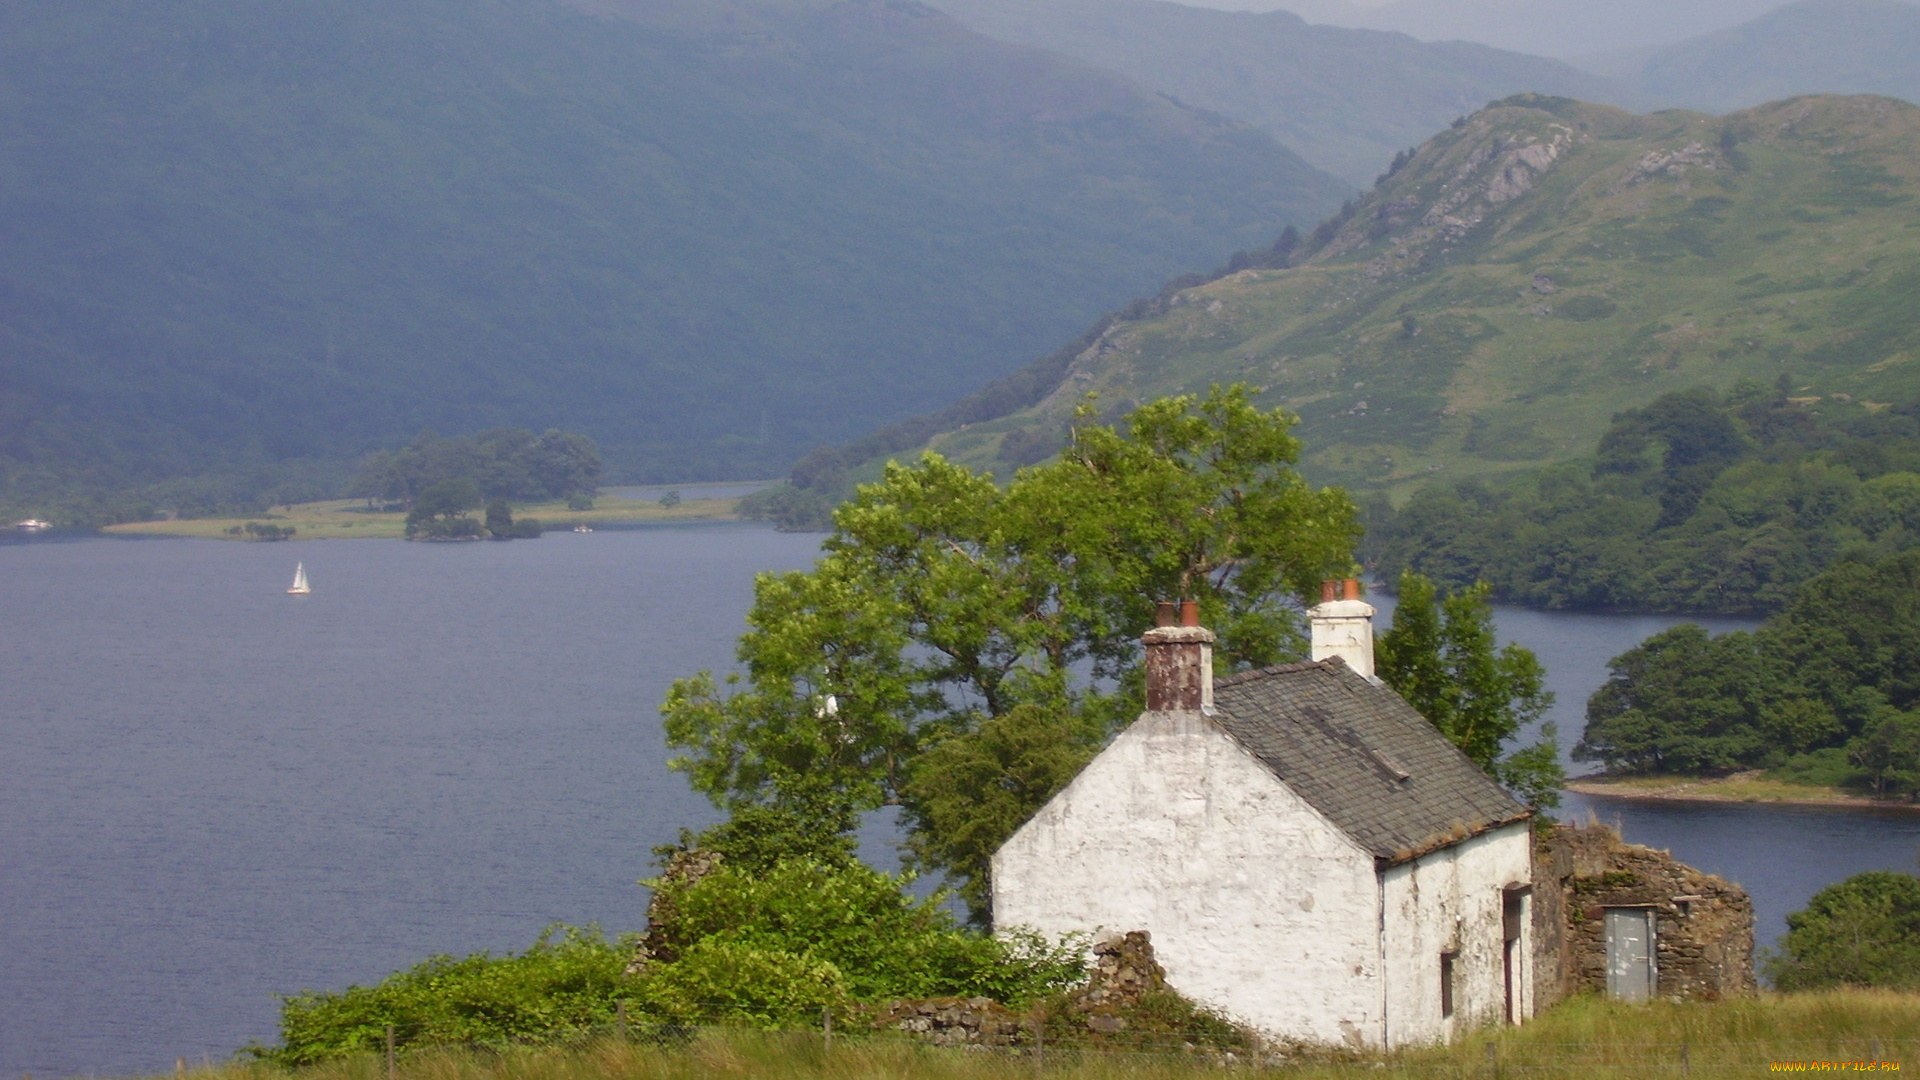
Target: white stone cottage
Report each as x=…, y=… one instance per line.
x=1310, y=856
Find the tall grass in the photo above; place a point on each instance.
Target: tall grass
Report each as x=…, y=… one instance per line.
x=1585, y=1037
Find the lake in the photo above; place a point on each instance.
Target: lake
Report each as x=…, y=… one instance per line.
x=213, y=793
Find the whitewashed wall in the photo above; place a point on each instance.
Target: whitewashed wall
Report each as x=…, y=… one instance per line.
x=1451, y=900
x=1257, y=905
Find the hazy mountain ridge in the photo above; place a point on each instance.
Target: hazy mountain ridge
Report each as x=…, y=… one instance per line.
x=1345, y=99
x=1811, y=46
x=1560, y=28
x=234, y=234
x=1538, y=268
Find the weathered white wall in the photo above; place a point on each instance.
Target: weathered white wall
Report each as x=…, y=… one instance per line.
x=1257, y=905
x=1450, y=900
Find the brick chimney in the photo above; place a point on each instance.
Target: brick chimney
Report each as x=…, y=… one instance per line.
x=1343, y=626
x=1179, y=660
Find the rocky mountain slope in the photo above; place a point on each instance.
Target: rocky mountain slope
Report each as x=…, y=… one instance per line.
x=1530, y=272
x=710, y=235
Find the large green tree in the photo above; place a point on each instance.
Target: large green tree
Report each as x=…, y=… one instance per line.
x=1441, y=655
x=944, y=602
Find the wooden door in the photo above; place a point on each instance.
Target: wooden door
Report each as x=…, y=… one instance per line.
x=1631, y=974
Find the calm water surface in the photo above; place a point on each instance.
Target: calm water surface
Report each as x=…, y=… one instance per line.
x=212, y=793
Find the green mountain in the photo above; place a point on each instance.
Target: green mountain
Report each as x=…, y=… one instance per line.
x=1529, y=273
x=242, y=235
x=1346, y=100
x=1813, y=46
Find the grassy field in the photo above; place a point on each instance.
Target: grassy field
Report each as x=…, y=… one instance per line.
x=349, y=518
x=1586, y=1037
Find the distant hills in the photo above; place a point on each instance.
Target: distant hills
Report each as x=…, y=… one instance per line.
x=1812, y=46
x=1529, y=273
x=1346, y=100
x=246, y=236
x=1562, y=28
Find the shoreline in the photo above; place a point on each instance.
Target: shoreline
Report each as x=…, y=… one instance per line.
x=348, y=519
x=1741, y=787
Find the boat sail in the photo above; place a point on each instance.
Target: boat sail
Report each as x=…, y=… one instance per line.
x=300, y=586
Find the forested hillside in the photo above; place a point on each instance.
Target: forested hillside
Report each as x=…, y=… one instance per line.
x=1692, y=503
x=259, y=240
x=1526, y=275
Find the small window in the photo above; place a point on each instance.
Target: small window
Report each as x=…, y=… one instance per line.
x=1446, y=983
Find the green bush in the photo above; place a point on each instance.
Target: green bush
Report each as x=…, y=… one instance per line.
x=1864, y=931
x=860, y=924
x=568, y=981
x=721, y=979
x=1821, y=768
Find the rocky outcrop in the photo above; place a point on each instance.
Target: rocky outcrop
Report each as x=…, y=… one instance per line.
x=1703, y=924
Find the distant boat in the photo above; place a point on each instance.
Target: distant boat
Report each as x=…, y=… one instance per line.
x=33, y=524
x=583, y=527
x=300, y=586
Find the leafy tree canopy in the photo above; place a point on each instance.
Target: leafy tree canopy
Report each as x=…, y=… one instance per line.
x=944, y=602
x=1442, y=657
x=501, y=463
x=1864, y=931
x=1696, y=502
x=1839, y=667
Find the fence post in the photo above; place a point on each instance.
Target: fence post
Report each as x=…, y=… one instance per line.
x=620, y=1018
x=826, y=1026
x=1493, y=1061
x=1039, y=1044
x=1686, y=1060
x=390, y=1063
x=180, y=1066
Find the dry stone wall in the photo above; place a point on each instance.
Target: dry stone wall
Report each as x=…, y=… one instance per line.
x=1703, y=924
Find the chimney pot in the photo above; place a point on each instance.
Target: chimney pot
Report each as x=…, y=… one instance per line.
x=1166, y=613
x=1179, y=660
x=1342, y=626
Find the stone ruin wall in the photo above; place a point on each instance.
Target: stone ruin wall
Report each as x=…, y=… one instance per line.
x=1703, y=925
x=1124, y=970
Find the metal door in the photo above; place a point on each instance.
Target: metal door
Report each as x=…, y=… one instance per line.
x=1630, y=956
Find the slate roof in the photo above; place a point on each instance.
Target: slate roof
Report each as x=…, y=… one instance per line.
x=1362, y=756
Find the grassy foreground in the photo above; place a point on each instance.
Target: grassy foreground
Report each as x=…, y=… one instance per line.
x=1585, y=1037
x=339, y=519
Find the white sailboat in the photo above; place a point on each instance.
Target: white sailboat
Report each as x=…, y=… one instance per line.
x=300, y=586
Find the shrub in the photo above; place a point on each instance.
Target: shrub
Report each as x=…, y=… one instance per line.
x=568, y=981
x=1864, y=931
x=848, y=918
